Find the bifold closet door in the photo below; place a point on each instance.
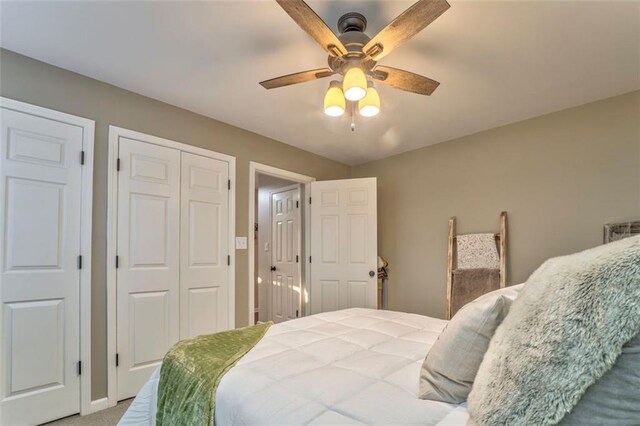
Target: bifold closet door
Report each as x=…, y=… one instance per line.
x=39, y=292
x=204, y=246
x=148, y=271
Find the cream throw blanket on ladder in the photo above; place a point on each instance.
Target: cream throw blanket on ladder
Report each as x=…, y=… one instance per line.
x=477, y=251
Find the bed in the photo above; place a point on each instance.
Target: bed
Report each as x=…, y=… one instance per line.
x=354, y=366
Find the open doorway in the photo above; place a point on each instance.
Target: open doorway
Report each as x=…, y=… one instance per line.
x=338, y=232
x=278, y=246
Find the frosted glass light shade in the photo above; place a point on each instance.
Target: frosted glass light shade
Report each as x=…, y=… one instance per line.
x=354, y=84
x=334, y=102
x=370, y=104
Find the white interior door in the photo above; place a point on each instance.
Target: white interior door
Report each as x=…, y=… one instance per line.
x=285, y=255
x=344, y=242
x=40, y=198
x=148, y=274
x=204, y=258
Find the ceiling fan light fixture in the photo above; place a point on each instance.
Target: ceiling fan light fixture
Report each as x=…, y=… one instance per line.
x=370, y=104
x=354, y=84
x=334, y=102
x=355, y=56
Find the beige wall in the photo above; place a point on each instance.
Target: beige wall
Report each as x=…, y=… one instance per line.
x=560, y=177
x=41, y=84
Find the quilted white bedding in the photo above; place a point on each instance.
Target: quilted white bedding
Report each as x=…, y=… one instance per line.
x=356, y=366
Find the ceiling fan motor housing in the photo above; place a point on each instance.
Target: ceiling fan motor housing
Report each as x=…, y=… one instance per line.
x=351, y=26
x=352, y=21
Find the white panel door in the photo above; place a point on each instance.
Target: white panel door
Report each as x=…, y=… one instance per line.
x=148, y=274
x=204, y=269
x=39, y=290
x=285, y=254
x=344, y=242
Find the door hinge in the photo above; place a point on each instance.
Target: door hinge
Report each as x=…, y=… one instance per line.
x=79, y=368
x=229, y=183
x=309, y=200
x=297, y=313
x=229, y=260
x=309, y=259
x=81, y=158
x=297, y=205
x=297, y=259
x=117, y=261
x=118, y=165
x=80, y=262
x=117, y=360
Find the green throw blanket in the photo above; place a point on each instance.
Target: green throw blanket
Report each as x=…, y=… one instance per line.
x=192, y=370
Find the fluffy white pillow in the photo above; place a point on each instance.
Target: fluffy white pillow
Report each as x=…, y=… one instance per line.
x=564, y=332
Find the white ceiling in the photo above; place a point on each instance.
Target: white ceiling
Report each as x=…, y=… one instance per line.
x=498, y=62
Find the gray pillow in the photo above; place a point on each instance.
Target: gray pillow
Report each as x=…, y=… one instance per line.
x=452, y=362
x=615, y=398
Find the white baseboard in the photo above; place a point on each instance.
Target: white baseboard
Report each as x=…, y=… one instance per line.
x=99, y=404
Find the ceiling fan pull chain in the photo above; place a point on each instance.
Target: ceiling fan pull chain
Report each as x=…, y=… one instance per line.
x=353, y=116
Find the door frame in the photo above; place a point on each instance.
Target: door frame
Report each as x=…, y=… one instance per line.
x=86, y=206
x=254, y=169
x=115, y=133
x=298, y=187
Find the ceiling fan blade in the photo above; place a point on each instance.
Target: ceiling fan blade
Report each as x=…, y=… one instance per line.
x=299, y=77
x=405, y=26
x=313, y=25
x=404, y=80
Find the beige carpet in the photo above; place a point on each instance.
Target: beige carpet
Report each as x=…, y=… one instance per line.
x=108, y=417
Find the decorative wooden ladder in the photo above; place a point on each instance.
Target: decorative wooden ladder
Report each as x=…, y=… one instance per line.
x=501, y=238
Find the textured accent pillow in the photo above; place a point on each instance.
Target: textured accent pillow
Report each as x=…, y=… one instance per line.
x=615, y=398
x=451, y=365
x=564, y=332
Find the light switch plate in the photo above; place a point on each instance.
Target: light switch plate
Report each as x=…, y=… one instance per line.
x=241, y=243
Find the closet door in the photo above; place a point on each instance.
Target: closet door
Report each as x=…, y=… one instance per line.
x=40, y=194
x=204, y=246
x=148, y=273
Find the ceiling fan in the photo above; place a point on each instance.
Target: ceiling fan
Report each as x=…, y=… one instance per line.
x=354, y=55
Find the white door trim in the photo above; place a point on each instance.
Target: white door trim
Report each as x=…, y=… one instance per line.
x=99, y=405
x=86, y=194
x=264, y=169
x=112, y=207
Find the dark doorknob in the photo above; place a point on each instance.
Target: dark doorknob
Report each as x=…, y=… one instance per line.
x=372, y=274
x=273, y=268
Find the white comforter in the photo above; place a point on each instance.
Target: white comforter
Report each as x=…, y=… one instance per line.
x=356, y=366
